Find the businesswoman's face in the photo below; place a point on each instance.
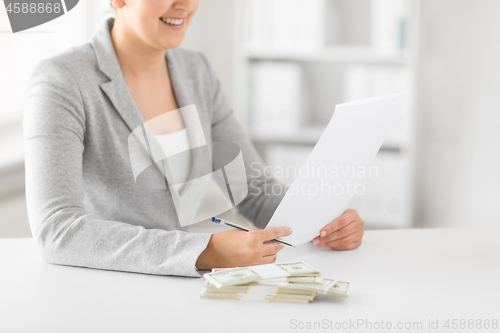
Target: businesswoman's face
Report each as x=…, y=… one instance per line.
x=160, y=24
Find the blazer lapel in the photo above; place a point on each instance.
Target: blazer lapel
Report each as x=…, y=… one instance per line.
x=116, y=89
x=118, y=93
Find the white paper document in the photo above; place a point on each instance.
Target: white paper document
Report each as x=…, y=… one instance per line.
x=334, y=171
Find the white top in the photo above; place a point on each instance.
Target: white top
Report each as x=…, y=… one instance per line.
x=212, y=198
x=174, y=143
x=396, y=276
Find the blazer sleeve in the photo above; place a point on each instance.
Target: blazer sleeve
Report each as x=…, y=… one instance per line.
x=264, y=192
x=54, y=130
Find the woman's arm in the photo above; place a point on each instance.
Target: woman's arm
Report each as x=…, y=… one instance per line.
x=54, y=127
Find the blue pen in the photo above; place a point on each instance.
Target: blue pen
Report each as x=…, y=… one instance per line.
x=239, y=227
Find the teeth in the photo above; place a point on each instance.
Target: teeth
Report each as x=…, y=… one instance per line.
x=172, y=21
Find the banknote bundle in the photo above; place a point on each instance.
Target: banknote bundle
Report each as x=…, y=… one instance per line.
x=295, y=282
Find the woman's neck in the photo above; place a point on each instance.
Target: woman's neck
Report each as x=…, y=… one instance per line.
x=136, y=58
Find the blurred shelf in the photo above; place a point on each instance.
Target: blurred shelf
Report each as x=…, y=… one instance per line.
x=356, y=55
x=11, y=150
x=11, y=160
x=307, y=136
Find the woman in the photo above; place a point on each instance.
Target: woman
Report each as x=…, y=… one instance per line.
x=84, y=206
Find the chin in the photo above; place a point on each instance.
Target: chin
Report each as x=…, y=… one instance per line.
x=166, y=41
x=170, y=44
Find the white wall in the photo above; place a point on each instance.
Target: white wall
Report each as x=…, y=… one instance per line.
x=458, y=164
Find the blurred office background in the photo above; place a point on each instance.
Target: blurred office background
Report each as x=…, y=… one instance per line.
x=285, y=64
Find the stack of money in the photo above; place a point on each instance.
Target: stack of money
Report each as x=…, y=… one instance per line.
x=295, y=282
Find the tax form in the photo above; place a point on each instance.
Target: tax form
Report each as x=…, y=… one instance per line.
x=326, y=183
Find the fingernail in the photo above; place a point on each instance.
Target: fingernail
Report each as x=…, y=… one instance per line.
x=316, y=242
x=289, y=231
x=323, y=233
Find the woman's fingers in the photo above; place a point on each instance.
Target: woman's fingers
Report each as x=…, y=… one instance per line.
x=273, y=233
x=356, y=226
x=345, y=232
x=340, y=222
x=271, y=248
x=346, y=243
x=269, y=259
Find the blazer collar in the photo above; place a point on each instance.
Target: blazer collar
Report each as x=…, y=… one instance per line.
x=116, y=89
x=104, y=50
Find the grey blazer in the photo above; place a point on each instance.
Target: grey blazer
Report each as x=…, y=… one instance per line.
x=84, y=206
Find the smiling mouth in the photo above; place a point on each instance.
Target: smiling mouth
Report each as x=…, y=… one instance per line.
x=172, y=21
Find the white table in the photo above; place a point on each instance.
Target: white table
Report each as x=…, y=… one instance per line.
x=396, y=276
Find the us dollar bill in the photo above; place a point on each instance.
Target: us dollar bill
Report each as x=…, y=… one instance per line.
x=294, y=269
x=299, y=268
x=321, y=288
x=286, y=282
x=242, y=275
x=340, y=288
x=259, y=293
x=233, y=276
x=305, y=279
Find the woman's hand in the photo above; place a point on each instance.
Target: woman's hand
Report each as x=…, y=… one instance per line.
x=344, y=233
x=234, y=248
